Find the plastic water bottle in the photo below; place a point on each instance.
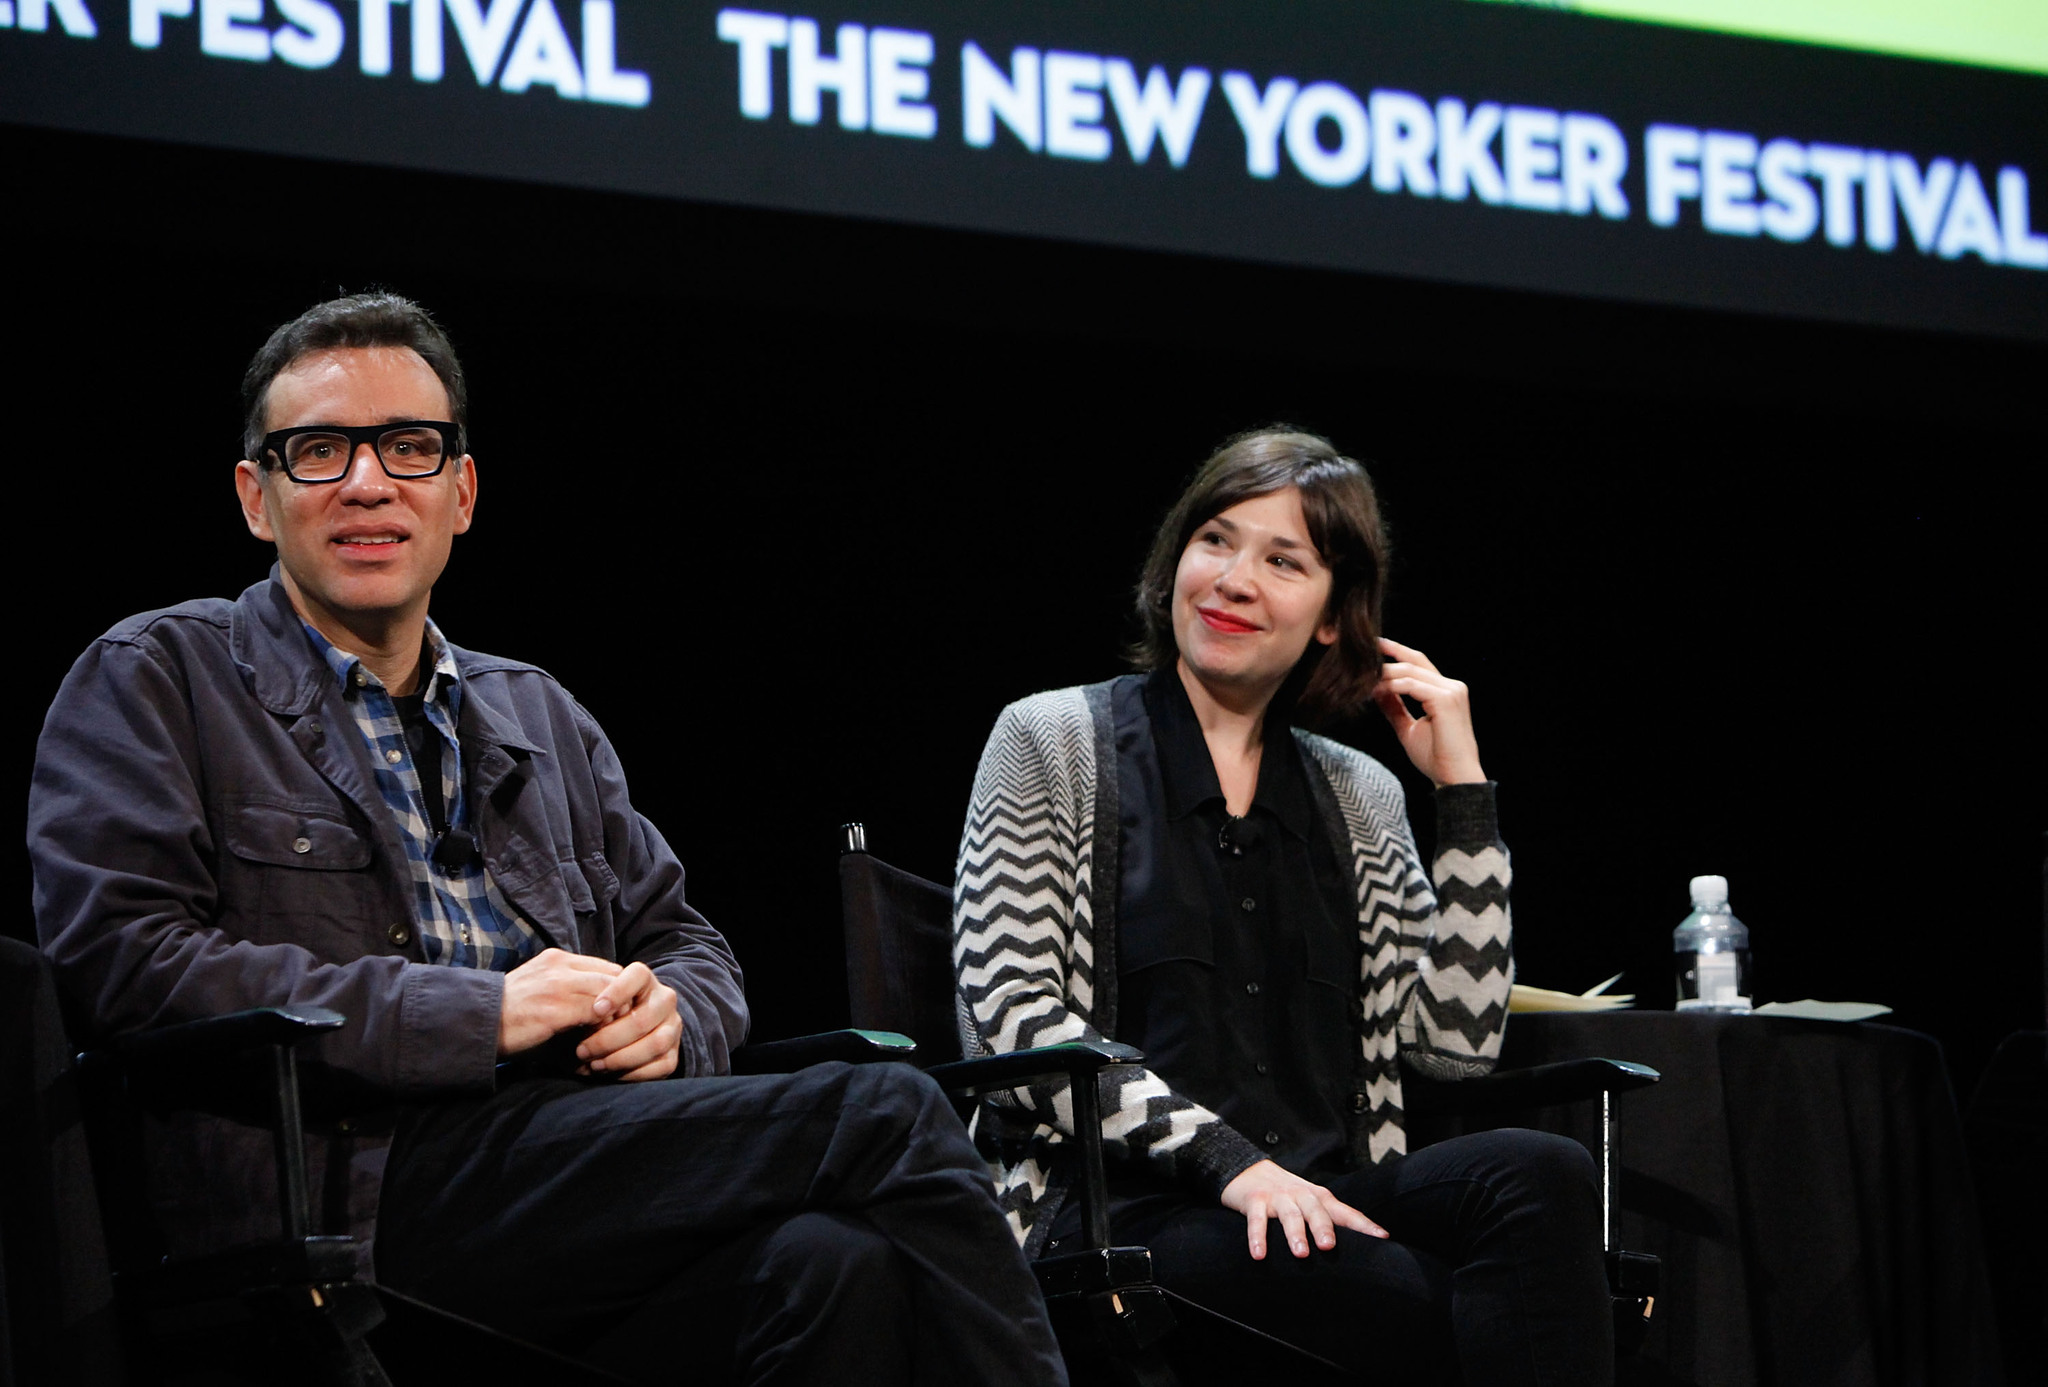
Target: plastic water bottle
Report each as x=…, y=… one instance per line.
x=1713, y=952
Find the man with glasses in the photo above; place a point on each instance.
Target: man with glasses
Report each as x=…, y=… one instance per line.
x=310, y=796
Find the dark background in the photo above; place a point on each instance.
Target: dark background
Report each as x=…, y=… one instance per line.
x=796, y=504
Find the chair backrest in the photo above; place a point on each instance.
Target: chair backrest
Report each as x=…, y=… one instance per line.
x=899, y=954
x=57, y=1321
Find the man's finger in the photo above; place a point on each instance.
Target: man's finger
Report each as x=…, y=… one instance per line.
x=658, y=1068
x=625, y=989
x=648, y=1048
x=656, y=1007
x=609, y=1039
x=561, y=960
x=1255, y=1228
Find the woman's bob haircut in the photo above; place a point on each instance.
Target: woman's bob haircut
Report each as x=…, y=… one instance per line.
x=1343, y=517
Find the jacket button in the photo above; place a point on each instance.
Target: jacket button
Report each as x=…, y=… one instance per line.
x=1272, y=1138
x=399, y=934
x=345, y=1126
x=1263, y=1067
x=302, y=845
x=1248, y=905
x=1251, y=989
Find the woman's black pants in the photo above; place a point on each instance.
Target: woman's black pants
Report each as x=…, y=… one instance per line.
x=1493, y=1276
x=829, y=1226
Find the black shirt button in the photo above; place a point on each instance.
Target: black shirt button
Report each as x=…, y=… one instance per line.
x=1248, y=904
x=1272, y=1138
x=1252, y=988
x=399, y=934
x=1263, y=1067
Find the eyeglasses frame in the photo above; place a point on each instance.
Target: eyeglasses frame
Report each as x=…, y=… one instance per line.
x=357, y=435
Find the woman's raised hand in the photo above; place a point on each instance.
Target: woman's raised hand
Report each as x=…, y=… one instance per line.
x=1305, y=1209
x=1440, y=742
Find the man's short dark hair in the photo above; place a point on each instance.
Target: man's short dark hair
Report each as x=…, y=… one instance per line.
x=357, y=320
x=1343, y=517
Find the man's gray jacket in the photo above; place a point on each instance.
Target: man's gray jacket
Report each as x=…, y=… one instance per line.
x=207, y=835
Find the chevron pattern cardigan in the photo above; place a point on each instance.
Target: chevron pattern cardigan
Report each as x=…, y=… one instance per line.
x=1034, y=950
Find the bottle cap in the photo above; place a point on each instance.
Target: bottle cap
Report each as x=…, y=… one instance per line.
x=1709, y=893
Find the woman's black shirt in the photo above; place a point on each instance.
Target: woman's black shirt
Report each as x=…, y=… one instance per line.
x=1237, y=948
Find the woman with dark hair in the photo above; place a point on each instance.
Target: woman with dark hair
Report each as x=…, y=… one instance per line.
x=1169, y=860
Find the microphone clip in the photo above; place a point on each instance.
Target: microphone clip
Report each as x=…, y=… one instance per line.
x=455, y=848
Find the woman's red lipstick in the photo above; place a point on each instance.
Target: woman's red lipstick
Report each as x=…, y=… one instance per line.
x=1225, y=622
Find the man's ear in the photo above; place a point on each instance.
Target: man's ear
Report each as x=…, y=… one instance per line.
x=465, y=493
x=249, y=486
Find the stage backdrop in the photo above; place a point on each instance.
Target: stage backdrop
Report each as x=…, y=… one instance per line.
x=1851, y=176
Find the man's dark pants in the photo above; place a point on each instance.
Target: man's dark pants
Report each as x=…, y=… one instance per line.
x=834, y=1225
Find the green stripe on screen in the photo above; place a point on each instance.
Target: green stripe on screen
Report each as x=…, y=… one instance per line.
x=2011, y=34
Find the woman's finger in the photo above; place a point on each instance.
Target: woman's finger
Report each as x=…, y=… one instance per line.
x=1408, y=653
x=1255, y=1227
x=1402, y=670
x=1291, y=1226
x=1432, y=694
x=1392, y=708
x=1347, y=1217
x=1320, y=1229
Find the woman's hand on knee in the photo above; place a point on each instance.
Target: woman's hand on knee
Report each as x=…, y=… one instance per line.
x=1305, y=1209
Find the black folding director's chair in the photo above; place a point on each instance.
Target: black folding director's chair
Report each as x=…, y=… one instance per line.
x=290, y=1310
x=1114, y=1322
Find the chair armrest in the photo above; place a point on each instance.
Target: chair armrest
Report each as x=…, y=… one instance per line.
x=852, y=1047
x=991, y=1073
x=186, y=1058
x=213, y=1036
x=1540, y=1086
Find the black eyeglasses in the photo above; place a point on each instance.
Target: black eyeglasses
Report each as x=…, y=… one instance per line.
x=323, y=452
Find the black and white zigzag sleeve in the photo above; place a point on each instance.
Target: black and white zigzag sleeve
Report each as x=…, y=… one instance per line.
x=1437, y=962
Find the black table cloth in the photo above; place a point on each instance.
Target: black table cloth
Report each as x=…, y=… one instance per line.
x=1806, y=1186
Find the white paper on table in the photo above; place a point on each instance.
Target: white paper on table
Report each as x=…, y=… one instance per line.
x=1810, y=1010
x=1523, y=998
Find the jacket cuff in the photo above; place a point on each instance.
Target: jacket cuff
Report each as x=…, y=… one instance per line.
x=1217, y=1154
x=448, y=1030
x=1467, y=817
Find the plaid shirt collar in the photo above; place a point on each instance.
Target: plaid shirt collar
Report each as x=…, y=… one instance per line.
x=443, y=687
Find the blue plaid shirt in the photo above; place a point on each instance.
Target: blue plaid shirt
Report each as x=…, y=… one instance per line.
x=462, y=917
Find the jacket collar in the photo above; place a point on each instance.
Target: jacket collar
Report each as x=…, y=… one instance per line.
x=280, y=666
x=288, y=676
x=479, y=722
